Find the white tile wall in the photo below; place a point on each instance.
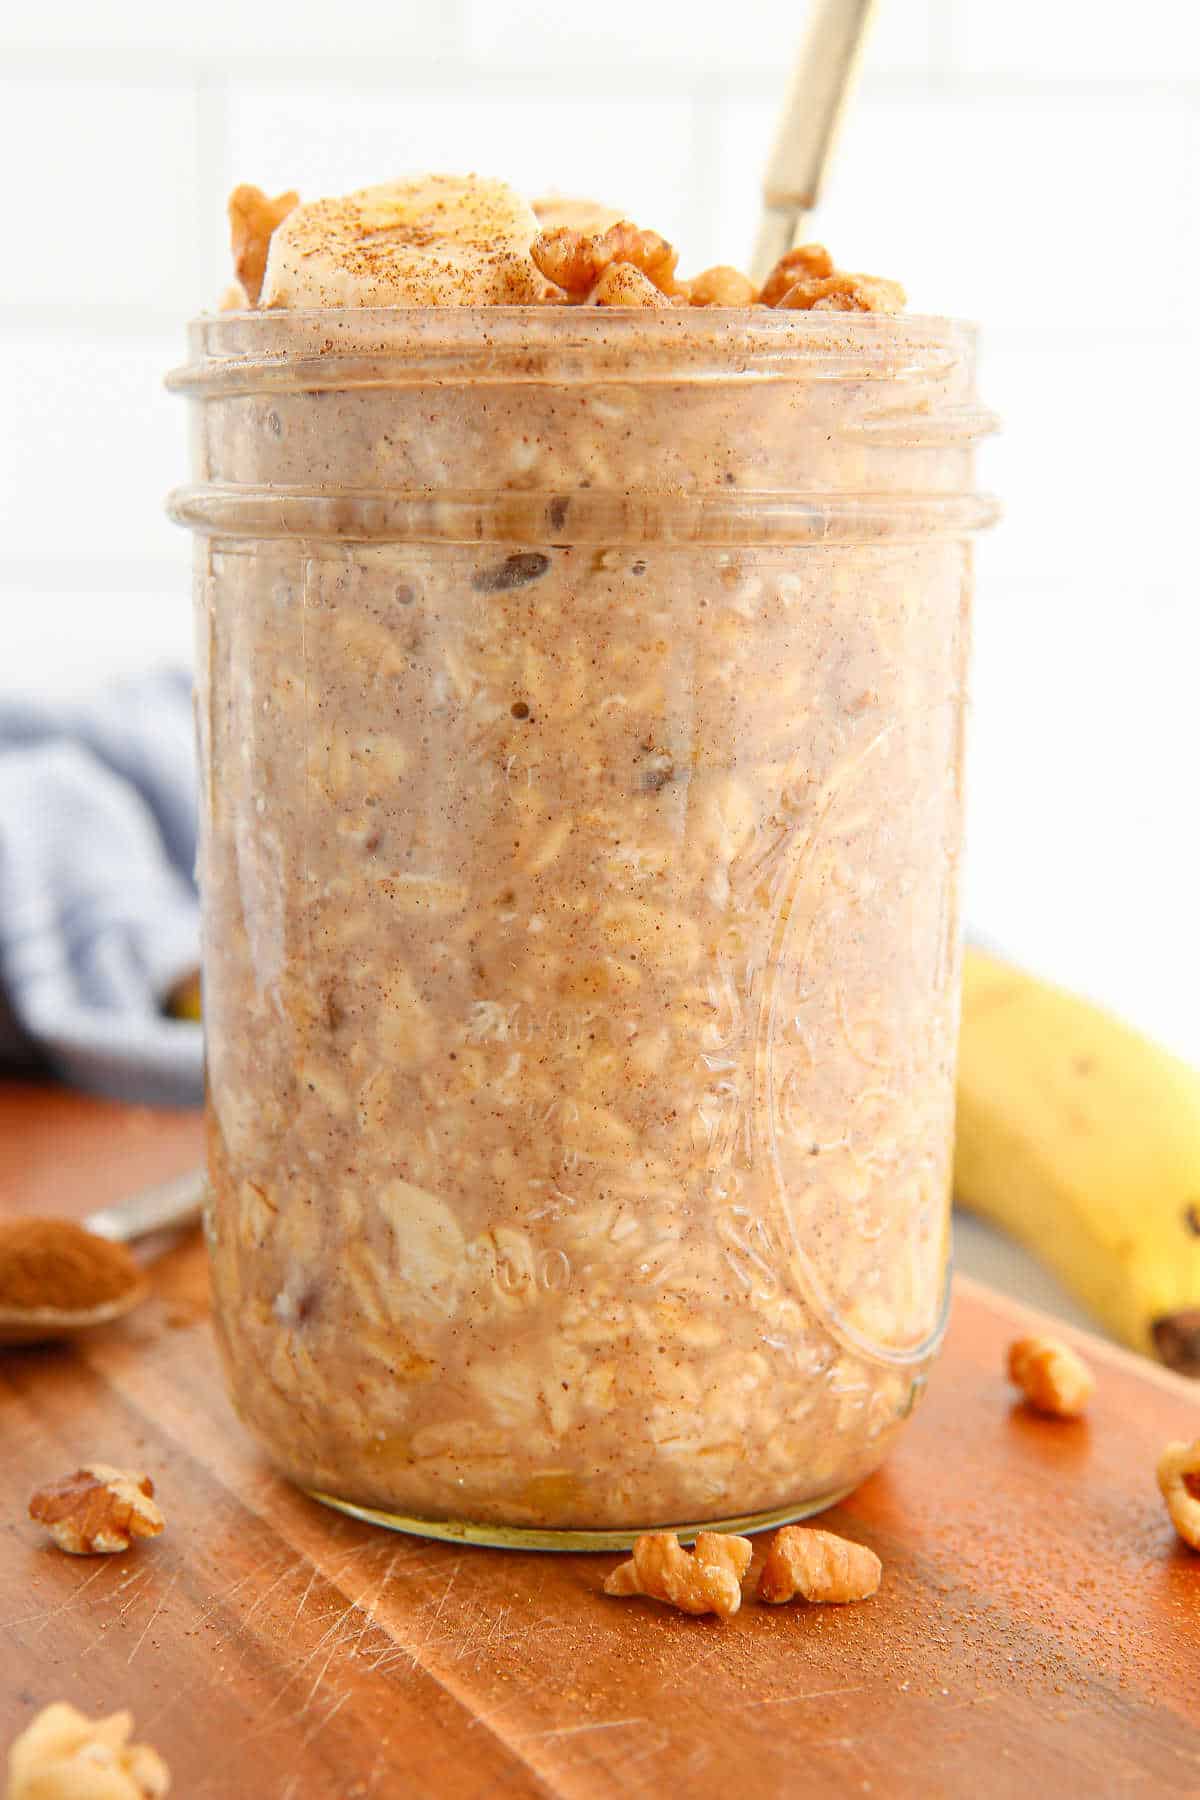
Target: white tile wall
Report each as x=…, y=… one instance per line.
x=1028, y=209
x=99, y=179
x=335, y=137
x=1036, y=166
x=678, y=35
x=89, y=444
x=233, y=28
x=1093, y=464
x=1085, y=749
x=1155, y=40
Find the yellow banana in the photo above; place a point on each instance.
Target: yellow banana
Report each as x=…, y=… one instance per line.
x=1081, y=1138
x=183, y=1001
x=428, y=240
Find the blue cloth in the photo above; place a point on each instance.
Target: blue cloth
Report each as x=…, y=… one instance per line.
x=99, y=916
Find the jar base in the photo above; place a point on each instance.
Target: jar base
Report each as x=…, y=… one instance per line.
x=533, y=1537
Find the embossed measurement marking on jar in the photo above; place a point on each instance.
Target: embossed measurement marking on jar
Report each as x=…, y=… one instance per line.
x=518, y=1269
x=517, y=1022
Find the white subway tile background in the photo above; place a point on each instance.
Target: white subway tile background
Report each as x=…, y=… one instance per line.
x=1034, y=166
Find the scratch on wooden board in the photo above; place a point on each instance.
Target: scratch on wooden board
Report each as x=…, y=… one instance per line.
x=334, y=1647
x=223, y=1598
x=477, y=1628
x=483, y=1628
x=566, y=1674
x=346, y=1629
x=519, y=1635
x=308, y=1588
x=270, y=1718
x=489, y=1719
x=331, y=1712
x=494, y=1632
x=162, y=1601
x=288, y=1569
x=47, y=1615
x=132, y=1581
x=367, y=1607
x=971, y=1700
x=335, y=1630
x=644, y=1748
x=356, y=1643
x=306, y=1699
x=454, y=1568
x=376, y=1770
x=397, y=1558
x=687, y=1670
x=848, y=1744
x=391, y=1655
x=562, y=1731
x=309, y=1697
x=334, y=1634
x=786, y=1699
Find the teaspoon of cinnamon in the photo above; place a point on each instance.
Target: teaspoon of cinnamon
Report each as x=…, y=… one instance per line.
x=59, y=1277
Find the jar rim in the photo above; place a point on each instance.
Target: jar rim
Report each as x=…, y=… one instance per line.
x=768, y=317
x=333, y=347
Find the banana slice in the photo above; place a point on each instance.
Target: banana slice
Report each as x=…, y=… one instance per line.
x=433, y=240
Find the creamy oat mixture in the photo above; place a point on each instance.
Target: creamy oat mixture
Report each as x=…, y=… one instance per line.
x=580, y=701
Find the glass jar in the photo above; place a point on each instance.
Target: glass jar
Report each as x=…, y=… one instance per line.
x=580, y=704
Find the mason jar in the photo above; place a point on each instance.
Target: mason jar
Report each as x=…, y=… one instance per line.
x=580, y=700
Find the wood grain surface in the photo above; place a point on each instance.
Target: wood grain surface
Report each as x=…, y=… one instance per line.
x=1037, y=1633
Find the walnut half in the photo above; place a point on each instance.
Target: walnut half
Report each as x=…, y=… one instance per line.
x=707, y=1581
x=844, y=292
x=97, y=1510
x=1179, y=1482
x=63, y=1755
x=253, y=217
x=817, y=1565
x=1050, y=1375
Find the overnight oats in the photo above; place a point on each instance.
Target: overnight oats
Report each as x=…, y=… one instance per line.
x=580, y=697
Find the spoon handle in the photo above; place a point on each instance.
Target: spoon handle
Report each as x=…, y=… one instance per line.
x=167, y=1204
x=821, y=84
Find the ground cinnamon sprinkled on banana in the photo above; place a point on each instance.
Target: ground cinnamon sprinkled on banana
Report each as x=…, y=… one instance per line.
x=445, y=240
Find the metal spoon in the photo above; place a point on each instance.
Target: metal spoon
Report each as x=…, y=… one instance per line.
x=808, y=126
x=166, y=1206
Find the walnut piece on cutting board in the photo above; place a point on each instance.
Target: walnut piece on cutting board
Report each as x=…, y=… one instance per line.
x=97, y=1510
x=1050, y=1375
x=63, y=1755
x=817, y=1566
x=1179, y=1481
x=707, y=1581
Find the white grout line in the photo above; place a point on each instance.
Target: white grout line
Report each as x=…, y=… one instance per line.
x=99, y=575
x=704, y=151
x=941, y=43
x=101, y=318
x=653, y=77
x=213, y=178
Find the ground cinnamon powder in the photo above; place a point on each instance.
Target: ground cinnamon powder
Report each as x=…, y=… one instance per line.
x=54, y=1263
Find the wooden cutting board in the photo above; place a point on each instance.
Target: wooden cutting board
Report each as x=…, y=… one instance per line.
x=1038, y=1630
